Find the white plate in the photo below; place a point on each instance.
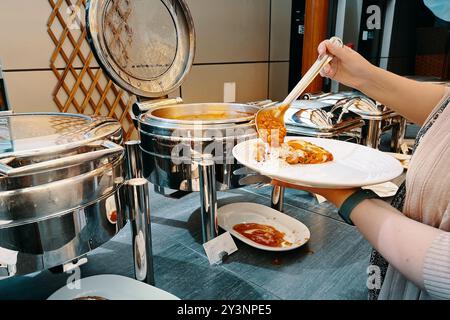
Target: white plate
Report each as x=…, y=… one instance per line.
x=230, y=215
x=353, y=165
x=113, y=287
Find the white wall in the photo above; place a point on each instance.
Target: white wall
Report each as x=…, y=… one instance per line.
x=242, y=41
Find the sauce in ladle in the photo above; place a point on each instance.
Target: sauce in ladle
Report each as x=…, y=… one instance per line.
x=271, y=128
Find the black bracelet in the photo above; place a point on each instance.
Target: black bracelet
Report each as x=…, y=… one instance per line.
x=356, y=198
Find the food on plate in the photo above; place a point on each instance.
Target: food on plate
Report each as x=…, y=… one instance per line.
x=271, y=129
x=304, y=152
x=294, y=152
x=262, y=234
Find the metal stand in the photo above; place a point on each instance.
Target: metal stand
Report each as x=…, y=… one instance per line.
x=398, y=134
x=373, y=134
x=379, y=124
x=137, y=204
x=134, y=159
x=208, y=197
x=278, y=198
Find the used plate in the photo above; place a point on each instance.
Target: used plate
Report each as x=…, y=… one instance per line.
x=244, y=212
x=353, y=165
x=112, y=287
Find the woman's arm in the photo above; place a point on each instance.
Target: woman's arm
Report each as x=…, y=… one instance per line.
x=413, y=100
x=403, y=242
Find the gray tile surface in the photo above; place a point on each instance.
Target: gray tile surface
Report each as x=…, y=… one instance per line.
x=331, y=266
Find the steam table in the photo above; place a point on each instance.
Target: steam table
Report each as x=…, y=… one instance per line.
x=331, y=266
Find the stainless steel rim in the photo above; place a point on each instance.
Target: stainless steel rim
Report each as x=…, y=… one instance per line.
x=151, y=116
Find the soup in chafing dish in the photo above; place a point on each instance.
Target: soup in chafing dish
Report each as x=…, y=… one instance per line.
x=210, y=116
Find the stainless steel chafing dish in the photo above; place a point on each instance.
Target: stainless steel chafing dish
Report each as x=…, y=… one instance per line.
x=173, y=139
x=319, y=119
x=59, y=180
x=377, y=117
x=147, y=47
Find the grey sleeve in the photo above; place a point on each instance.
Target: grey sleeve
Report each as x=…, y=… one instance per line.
x=436, y=269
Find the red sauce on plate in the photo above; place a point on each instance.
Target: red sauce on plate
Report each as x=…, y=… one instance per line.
x=262, y=234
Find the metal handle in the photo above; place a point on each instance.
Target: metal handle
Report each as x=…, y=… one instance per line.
x=111, y=148
x=315, y=96
x=144, y=106
x=310, y=75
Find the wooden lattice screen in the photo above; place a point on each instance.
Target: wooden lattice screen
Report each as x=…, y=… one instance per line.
x=82, y=86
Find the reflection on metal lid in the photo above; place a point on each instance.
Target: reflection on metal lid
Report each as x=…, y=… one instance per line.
x=365, y=106
x=147, y=47
x=321, y=116
x=43, y=132
x=311, y=118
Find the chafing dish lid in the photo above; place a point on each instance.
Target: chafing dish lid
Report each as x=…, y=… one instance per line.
x=319, y=116
x=30, y=134
x=367, y=107
x=146, y=46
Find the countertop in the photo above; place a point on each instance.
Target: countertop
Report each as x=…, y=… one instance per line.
x=331, y=266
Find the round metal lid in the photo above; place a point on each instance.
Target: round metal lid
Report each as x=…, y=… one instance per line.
x=27, y=134
x=146, y=46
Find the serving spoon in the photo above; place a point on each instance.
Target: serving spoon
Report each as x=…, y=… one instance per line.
x=270, y=120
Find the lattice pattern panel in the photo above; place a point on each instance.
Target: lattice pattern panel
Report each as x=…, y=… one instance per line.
x=82, y=86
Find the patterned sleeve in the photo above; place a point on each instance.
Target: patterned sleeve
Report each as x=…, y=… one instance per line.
x=436, y=270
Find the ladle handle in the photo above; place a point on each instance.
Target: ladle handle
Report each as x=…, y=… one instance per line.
x=312, y=73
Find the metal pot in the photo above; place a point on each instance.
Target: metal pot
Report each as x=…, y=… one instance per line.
x=59, y=180
x=147, y=48
x=174, y=137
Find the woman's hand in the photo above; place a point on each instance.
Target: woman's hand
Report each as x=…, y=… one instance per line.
x=411, y=99
x=348, y=66
x=335, y=196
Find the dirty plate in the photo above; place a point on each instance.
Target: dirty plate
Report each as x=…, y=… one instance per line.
x=295, y=231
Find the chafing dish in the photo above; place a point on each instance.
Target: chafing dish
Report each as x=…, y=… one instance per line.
x=314, y=118
x=189, y=148
x=172, y=143
x=149, y=51
x=377, y=118
x=59, y=181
